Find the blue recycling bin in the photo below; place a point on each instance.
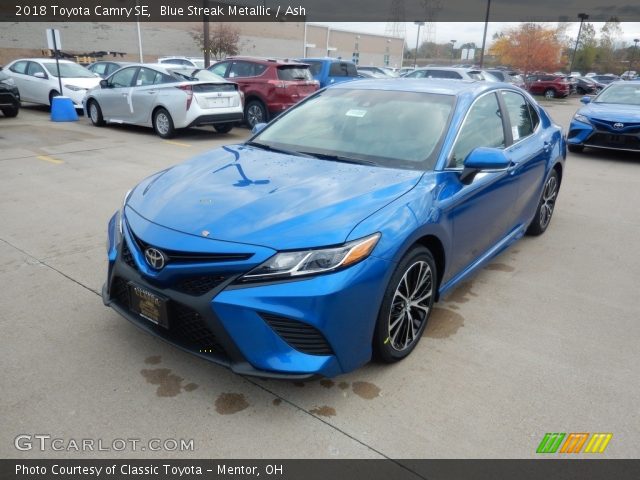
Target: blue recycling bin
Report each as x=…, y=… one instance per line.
x=62, y=110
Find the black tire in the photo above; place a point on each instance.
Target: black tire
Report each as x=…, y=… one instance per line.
x=575, y=148
x=94, y=112
x=255, y=112
x=546, y=205
x=11, y=111
x=163, y=123
x=389, y=346
x=549, y=93
x=53, y=93
x=223, y=127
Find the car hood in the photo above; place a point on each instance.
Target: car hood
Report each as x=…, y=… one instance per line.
x=612, y=112
x=248, y=195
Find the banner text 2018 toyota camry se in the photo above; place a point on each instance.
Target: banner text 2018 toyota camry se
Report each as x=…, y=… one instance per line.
x=325, y=239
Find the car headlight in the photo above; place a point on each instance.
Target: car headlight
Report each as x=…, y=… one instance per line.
x=312, y=262
x=8, y=81
x=581, y=118
x=121, y=216
x=74, y=88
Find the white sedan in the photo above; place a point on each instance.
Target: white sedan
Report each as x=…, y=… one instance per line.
x=37, y=80
x=165, y=97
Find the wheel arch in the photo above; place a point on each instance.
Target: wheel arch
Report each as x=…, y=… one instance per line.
x=435, y=246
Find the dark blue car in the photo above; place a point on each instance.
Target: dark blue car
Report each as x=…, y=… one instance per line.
x=327, y=237
x=610, y=121
x=329, y=71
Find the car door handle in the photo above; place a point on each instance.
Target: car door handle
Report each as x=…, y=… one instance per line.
x=151, y=92
x=124, y=94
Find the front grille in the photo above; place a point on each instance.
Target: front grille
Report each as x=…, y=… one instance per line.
x=628, y=142
x=188, y=326
x=607, y=126
x=120, y=291
x=301, y=336
x=193, y=257
x=199, y=285
x=127, y=256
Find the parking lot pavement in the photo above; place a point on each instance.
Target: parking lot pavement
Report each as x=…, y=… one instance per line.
x=543, y=340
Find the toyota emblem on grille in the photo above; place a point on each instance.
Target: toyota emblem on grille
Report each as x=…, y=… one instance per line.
x=618, y=126
x=155, y=258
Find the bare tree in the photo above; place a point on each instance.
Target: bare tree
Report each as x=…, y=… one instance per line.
x=224, y=40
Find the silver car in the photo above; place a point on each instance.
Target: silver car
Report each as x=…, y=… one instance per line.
x=452, y=73
x=159, y=96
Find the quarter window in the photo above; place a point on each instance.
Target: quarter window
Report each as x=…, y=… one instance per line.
x=481, y=128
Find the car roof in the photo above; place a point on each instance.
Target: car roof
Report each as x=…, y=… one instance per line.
x=44, y=60
x=421, y=85
x=265, y=60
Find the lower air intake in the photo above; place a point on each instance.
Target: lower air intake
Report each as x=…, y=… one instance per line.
x=301, y=336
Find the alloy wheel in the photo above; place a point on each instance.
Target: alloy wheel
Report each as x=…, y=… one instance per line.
x=410, y=305
x=93, y=111
x=162, y=123
x=548, y=201
x=254, y=115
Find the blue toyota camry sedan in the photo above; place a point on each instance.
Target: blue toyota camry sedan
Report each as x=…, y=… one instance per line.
x=325, y=239
x=610, y=121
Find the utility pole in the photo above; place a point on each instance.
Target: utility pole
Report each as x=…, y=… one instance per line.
x=415, y=57
x=582, y=17
x=484, y=35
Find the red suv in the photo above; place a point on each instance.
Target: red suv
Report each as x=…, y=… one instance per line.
x=551, y=86
x=269, y=86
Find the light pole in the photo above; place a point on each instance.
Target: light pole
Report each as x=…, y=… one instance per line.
x=415, y=58
x=582, y=17
x=484, y=35
x=635, y=51
x=453, y=43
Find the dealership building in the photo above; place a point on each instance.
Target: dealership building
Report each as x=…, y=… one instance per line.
x=264, y=39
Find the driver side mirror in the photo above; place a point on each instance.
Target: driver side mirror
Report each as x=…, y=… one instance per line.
x=257, y=128
x=40, y=75
x=586, y=99
x=104, y=84
x=483, y=158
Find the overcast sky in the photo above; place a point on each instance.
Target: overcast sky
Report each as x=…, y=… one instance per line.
x=470, y=31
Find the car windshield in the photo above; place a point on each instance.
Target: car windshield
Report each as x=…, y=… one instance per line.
x=68, y=70
x=386, y=128
x=620, y=93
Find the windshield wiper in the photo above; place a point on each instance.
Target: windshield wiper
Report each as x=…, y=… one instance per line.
x=264, y=146
x=339, y=158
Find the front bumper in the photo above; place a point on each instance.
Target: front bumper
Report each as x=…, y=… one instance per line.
x=298, y=329
x=587, y=135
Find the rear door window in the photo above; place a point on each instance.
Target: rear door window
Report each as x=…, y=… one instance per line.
x=519, y=110
x=342, y=69
x=245, y=69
